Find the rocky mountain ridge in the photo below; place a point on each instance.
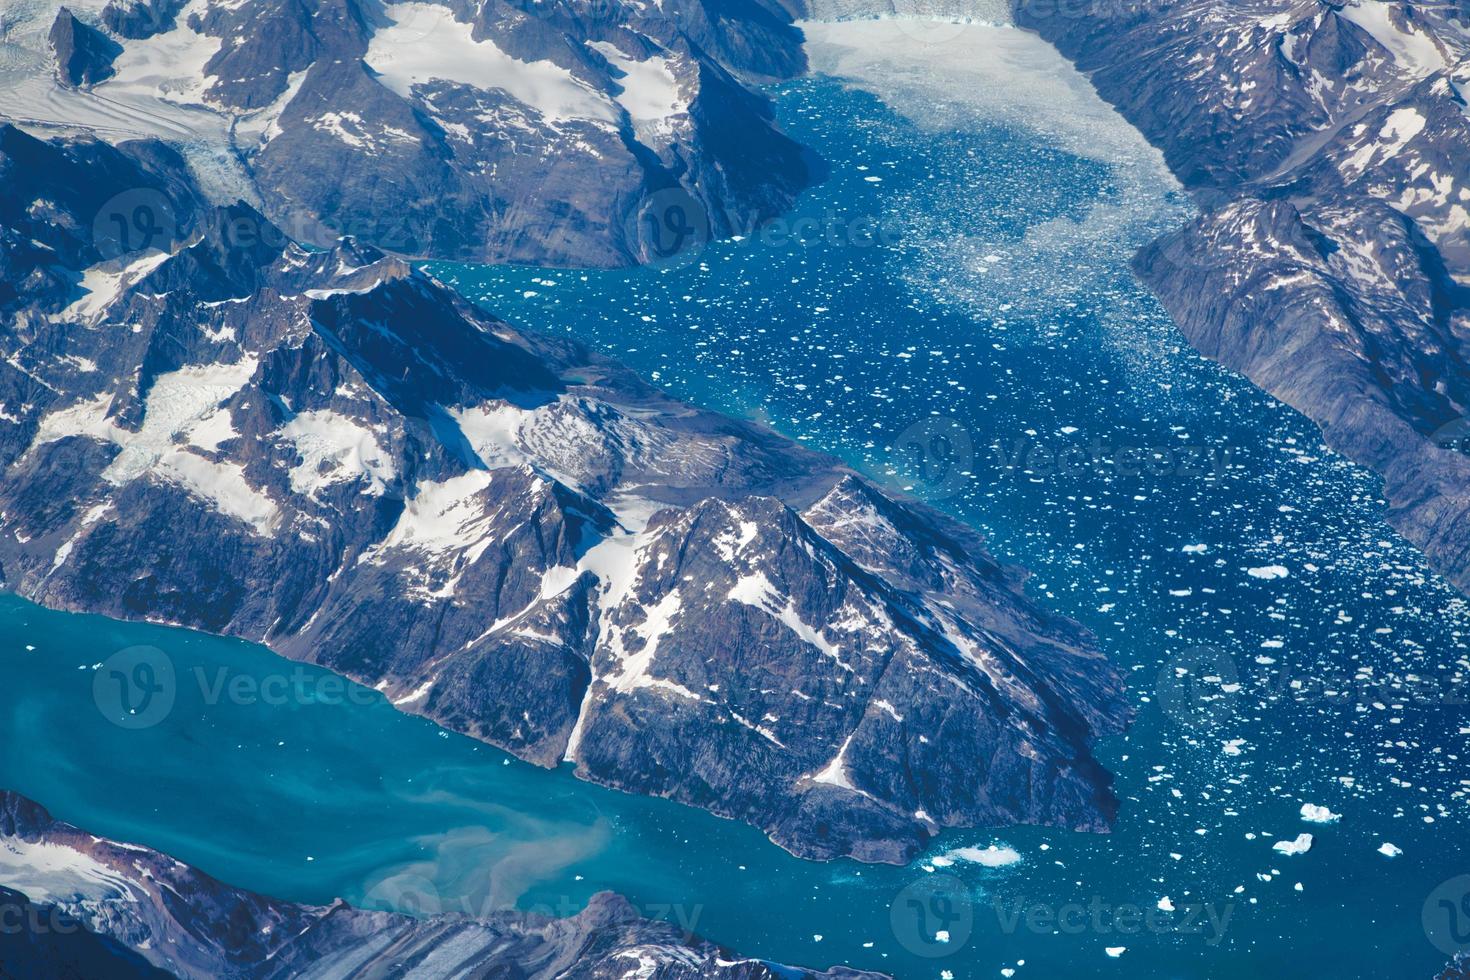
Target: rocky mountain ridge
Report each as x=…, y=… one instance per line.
x=333, y=454
x=120, y=910
x=1327, y=145
x=554, y=133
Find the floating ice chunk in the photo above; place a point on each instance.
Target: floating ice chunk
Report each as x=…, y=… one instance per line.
x=1166, y=904
x=1268, y=571
x=1390, y=850
x=1312, y=813
x=1232, y=747
x=994, y=856
x=1301, y=845
x=1116, y=951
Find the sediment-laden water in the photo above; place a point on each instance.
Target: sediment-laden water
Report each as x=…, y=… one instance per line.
x=952, y=311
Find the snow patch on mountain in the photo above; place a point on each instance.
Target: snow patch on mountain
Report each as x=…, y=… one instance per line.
x=425, y=42
x=651, y=93
x=334, y=449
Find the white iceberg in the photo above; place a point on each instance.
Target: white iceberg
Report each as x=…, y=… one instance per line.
x=991, y=857
x=1312, y=813
x=1301, y=845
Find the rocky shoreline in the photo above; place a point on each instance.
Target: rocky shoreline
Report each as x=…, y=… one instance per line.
x=80, y=905
x=334, y=455
x=1327, y=146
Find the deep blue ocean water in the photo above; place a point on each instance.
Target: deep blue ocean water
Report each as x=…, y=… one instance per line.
x=991, y=351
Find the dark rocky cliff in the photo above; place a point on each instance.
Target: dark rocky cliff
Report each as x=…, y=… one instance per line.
x=333, y=454
x=550, y=132
x=91, y=908
x=84, y=55
x=1328, y=147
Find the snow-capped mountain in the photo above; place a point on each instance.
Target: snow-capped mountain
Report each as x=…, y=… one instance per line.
x=1328, y=146
x=541, y=131
x=335, y=455
x=117, y=910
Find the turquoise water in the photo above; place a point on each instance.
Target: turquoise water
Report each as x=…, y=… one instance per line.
x=999, y=314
